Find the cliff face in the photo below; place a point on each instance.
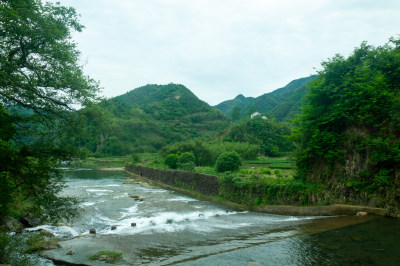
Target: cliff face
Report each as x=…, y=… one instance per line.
x=365, y=174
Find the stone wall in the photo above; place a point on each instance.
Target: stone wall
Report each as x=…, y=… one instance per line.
x=202, y=183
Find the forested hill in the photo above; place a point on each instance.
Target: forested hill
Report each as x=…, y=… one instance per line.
x=169, y=102
x=282, y=103
x=147, y=118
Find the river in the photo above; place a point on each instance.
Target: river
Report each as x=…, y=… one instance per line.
x=173, y=229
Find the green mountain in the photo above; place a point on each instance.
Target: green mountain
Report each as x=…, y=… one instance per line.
x=283, y=103
x=240, y=101
x=149, y=117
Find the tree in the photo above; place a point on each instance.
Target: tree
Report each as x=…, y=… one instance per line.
x=187, y=157
x=172, y=160
x=228, y=161
x=350, y=127
x=40, y=81
x=39, y=61
x=236, y=114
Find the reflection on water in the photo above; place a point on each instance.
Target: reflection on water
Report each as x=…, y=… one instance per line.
x=174, y=229
x=376, y=242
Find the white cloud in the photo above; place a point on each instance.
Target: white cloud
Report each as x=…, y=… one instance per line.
x=220, y=48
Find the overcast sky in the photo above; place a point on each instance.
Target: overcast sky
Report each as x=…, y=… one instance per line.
x=222, y=48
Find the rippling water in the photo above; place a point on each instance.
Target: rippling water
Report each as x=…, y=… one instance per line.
x=175, y=229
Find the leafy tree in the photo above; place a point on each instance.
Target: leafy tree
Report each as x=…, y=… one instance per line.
x=236, y=114
x=187, y=157
x=350, y=126
x=172, y=160
x=40, y=81
x=187, y=161
x=39, y=61
x=228, y=161
x=200, y=150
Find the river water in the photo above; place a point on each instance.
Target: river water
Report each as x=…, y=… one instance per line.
x=173, y=229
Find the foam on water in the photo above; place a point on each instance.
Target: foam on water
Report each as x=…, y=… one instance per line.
x=86, y=204
x=99, y=190
x=166, y=222
x=99, y=186
x=124, y=195
x=58, y=231
x=129, y=211
x=150, y=190
x=182, y=199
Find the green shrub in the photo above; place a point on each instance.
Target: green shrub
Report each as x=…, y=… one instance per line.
x=265, y=171
x=228, y=161
x=189, y=166
x=277, y=172
x=246, y=171
x=135, y=158
x=187, y=157
x=226, y=177
x=172, y=160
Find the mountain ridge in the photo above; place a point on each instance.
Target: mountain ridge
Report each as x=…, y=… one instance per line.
x=281, y=103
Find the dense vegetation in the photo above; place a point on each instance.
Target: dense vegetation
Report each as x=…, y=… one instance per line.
x=268, y=135
x=40, y=80
x=206, y=154
x=348, y=135
x=148, y=118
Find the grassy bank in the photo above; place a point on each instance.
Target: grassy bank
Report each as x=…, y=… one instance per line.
x=103, y=162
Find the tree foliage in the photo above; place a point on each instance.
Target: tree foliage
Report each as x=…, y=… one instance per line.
x=39, y=61
x=40, y=82
x=236, y=114
x=206, y=154
x=149, y=117
x=350, y=127
x=187, y=157
x=172, y=160
x=269, y=135
x=228, y=161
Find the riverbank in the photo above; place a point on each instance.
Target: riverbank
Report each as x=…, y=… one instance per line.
x=170, y=182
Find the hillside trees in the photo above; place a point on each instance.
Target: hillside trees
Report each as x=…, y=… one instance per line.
x=148, y=118
x=206, y=154
x=236, y=114
x=269, y=135
x=348, y=136
x=40, y=82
